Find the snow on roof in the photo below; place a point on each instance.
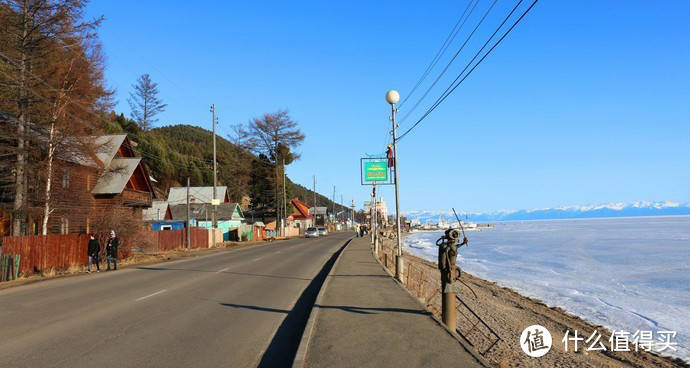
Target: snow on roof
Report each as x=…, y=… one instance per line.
x=116, y=177
x=178, y=195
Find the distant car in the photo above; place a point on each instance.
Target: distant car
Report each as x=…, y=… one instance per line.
x=323, y=231
x=311, y=232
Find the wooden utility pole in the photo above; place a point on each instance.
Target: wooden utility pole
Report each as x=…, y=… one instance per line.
x=214, y=201
x=189, y=226
x=284, y=193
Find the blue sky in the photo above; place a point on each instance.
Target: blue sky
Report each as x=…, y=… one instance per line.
x=584, y=102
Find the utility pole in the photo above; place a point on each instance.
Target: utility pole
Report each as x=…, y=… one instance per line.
x=352, y=219
x=284, y=193
x=314, y=204
x=374, y=220
x=342, y=209
x=189, y=227
x=214, y=201
x=334, y=208
x=392, y=98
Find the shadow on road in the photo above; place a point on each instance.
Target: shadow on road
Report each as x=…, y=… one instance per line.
x=222, y=272
x=282, y=349
x=363, y=310
x=254, y=307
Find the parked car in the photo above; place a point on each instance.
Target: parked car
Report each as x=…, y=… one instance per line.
x=311, y=232
x=322, y=231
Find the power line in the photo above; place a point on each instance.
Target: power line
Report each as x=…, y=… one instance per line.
x=455, y=85
x=442, y=50
x=469, y=37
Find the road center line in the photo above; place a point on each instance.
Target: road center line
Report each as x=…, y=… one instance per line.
x=223, y=270
x=150, y=295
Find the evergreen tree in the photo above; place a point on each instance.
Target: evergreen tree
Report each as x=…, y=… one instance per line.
x=145, y=103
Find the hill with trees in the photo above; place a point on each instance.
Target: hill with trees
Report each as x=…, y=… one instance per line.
x=173, y=153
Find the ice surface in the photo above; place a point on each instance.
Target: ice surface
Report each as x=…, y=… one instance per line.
x=625, y=273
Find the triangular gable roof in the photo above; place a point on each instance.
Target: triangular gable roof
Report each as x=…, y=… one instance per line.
x=119, y=169
x=108, y=145
x=301, y=210
x=116, y=176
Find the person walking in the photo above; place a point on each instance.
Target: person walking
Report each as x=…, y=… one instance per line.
x=93, y=250
x=111, y=250
x=357, y=230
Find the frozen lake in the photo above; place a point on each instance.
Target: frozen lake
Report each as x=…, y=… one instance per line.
x=625, y=273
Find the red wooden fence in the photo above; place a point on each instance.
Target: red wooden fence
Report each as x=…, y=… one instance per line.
x=43, y=252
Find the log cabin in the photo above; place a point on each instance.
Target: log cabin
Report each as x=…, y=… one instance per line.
x=114, y=180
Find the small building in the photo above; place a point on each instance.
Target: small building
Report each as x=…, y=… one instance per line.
x=159, y=210
x=301, y=218
x=230, y=217
x=85, y=190
x=320, y=215
x=178, y=195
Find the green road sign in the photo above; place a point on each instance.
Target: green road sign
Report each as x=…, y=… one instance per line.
x=376, y=171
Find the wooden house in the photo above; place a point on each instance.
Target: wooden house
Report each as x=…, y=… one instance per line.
x=115, y=180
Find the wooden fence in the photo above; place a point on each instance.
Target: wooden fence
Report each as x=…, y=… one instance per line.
x=169, y=240
x=43, y=252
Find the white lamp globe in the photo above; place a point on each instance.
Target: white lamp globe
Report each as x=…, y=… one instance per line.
x=392, y=97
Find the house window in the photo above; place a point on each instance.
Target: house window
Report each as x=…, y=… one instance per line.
x=166, y=227
x=65, y=178
x=64, y=225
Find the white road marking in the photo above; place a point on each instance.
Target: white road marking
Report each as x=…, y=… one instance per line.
x=256, y=259
x=150, y=295
x=223, y=270
x=276, y=252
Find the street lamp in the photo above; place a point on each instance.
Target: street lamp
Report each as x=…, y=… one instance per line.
x=392, y=97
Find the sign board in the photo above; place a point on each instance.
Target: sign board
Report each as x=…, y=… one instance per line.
x=215, y=202
x=375, y=171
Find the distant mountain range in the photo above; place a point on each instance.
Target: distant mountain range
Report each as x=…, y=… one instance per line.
x=643, y=208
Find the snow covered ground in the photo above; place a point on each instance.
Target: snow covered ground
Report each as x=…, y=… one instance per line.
x=626, y=273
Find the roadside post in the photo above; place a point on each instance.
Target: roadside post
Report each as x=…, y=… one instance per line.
x=392, y=97
x=375, y=171
x=447, y=258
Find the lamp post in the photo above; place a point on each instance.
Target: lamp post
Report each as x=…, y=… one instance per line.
x=392, y=97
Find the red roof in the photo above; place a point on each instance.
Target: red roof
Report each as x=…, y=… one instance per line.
x=301, y=210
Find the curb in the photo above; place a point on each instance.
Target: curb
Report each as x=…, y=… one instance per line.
x=469, y=348
x=300, y=356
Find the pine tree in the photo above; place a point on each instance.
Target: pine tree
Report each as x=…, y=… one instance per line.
x=145, y=103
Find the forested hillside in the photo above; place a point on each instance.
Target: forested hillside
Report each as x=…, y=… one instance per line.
x=173, y=153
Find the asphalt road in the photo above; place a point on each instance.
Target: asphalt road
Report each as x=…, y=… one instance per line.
x=220, y=310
